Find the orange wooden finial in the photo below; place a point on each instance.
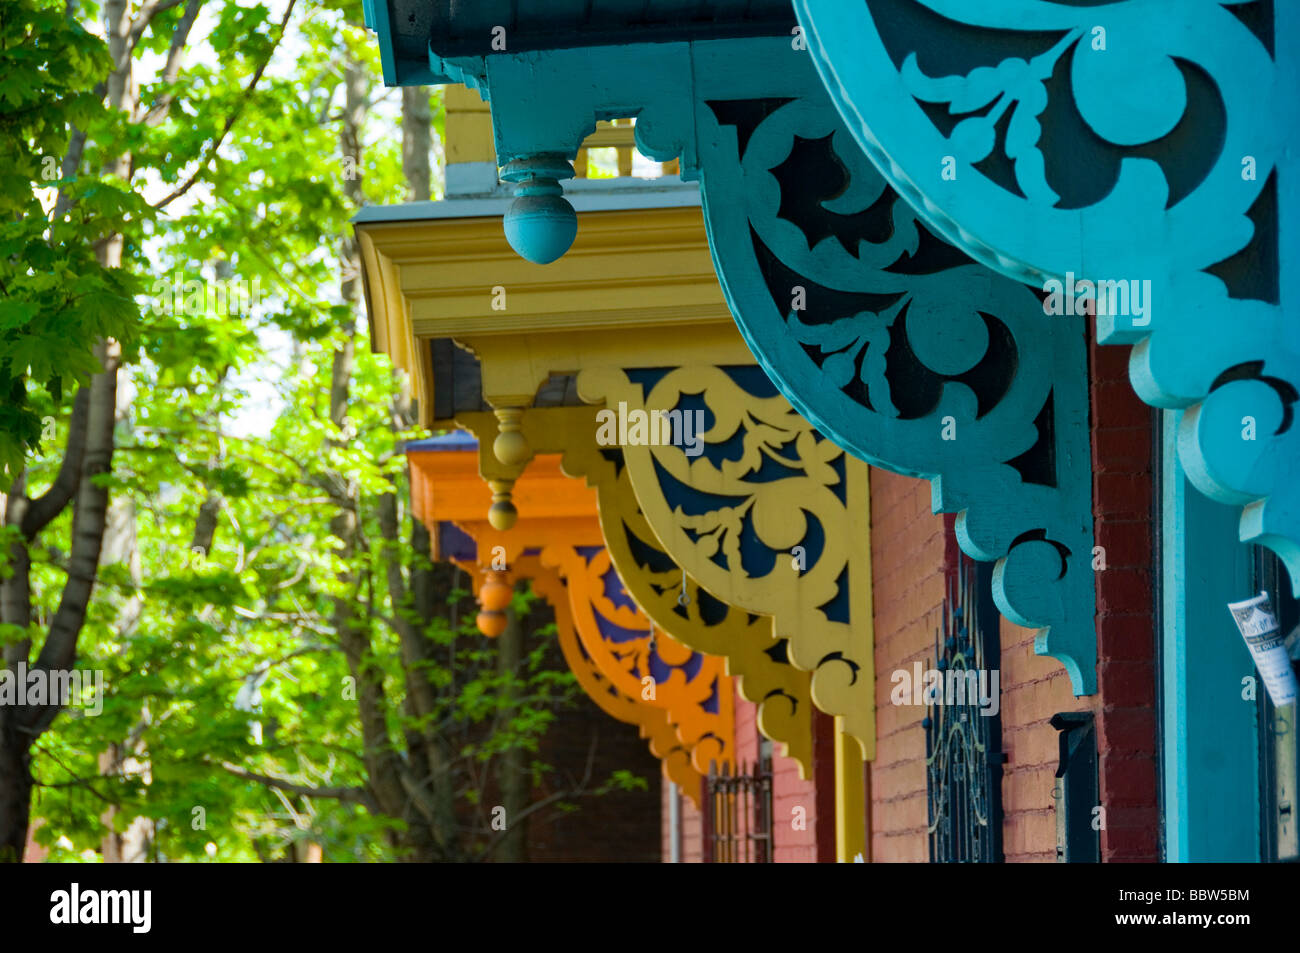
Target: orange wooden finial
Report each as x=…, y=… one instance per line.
x=495, y=593
x=491, y=624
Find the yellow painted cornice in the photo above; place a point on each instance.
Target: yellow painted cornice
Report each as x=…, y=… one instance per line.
x=469, y=126
x=632, y=284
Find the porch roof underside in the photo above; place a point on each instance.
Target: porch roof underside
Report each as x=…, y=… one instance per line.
x=411, y=29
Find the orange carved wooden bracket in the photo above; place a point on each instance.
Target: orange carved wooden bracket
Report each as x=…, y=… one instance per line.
x=618, y=655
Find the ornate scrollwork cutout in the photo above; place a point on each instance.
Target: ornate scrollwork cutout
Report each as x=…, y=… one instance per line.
x=693, y=705
x=1140, y=144
x=898, y=338
x=768, y=516
x=644, y=661
x=753, y=657
x=654, y=723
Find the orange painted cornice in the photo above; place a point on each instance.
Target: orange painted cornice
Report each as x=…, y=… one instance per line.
x=446, y=487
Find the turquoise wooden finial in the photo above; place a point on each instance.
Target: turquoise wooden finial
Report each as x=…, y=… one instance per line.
x=540, y=223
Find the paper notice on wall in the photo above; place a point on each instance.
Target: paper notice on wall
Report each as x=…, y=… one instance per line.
x=1267, y=644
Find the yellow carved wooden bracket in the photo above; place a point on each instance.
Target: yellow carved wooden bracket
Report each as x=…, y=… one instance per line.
x=764, y=512
x=637, y=293
x=672, y=598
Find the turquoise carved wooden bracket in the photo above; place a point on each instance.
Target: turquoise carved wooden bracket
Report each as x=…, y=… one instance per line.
x=1142, y=154
x=895, y=345
x=907, y=353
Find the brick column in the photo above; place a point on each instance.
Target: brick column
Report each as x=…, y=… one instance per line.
x=1125, y=706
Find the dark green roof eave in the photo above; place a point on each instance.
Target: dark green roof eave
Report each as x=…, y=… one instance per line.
x=415, y=35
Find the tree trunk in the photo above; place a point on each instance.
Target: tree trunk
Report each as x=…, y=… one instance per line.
x=512, y=768
x=430, y=586
x=90, y=451
x=15, y=787
x=383, y=767
x=417, y=128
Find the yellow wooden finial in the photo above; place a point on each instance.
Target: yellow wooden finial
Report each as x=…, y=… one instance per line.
x=502, y=514
x=511, y=446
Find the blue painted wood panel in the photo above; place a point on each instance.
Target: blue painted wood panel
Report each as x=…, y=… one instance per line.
x=1209, y=732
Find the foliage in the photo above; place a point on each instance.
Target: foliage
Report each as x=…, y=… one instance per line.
x=56, y=299
x=215, y=615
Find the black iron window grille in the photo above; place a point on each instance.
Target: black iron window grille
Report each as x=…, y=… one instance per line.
x=963, y=732
x=738, y=814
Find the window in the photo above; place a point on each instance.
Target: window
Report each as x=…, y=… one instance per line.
x=738, y=814
x=963, y=733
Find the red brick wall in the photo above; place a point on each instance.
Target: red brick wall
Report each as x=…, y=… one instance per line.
x=907, y=566
x=907, y=563
x=789, y=791
x=692, y=832
x=909, y=549
x=746, y=730
x=1034, y=688
x=1123, y=493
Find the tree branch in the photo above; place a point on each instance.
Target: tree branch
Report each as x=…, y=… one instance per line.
x=146, y=15
x=351, y=795
x=234, y=115
x=89, y=520
x=172, y=69
x=42, y=510
x=205, y=525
